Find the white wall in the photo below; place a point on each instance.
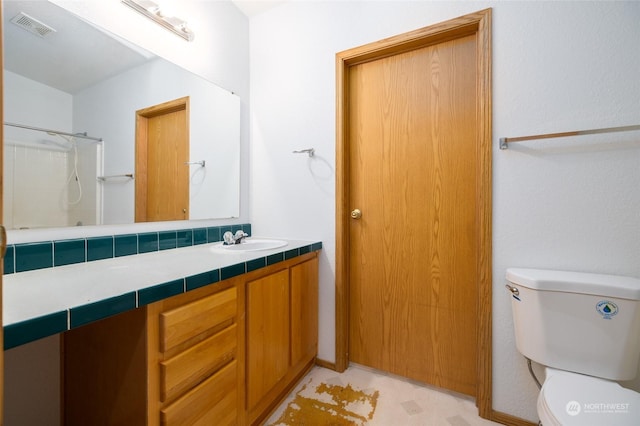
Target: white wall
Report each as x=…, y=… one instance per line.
x=32, y=383
x=557, y=66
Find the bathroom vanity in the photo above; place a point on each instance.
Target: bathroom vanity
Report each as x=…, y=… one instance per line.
x=221, y=342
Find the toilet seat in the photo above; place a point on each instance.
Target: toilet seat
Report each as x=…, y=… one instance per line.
x=575, y=399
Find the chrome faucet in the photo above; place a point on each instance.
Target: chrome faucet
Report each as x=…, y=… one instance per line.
x=229, y=238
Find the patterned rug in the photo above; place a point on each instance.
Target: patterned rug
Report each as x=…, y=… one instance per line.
x=325, y=404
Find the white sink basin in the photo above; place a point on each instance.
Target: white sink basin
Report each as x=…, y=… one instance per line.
x=251, y=244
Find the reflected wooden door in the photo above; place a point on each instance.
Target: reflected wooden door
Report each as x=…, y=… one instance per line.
x=162, y=151
x=413, y=163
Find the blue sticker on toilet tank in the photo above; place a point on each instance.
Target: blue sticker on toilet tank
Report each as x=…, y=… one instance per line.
x=607, y=309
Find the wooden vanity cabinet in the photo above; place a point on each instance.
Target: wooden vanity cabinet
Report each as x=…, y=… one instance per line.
x=268, y=337
x=224, y=354
x=178, y=361
x=104, y=372
x=282, y=333
x=194, y=358
x=304, y=311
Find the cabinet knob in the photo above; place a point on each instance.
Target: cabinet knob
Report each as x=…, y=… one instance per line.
x=356, y=214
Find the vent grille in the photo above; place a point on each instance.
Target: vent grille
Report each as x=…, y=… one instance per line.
x=32, y=25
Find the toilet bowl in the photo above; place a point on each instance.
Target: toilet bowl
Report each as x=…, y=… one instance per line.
x=568, y=399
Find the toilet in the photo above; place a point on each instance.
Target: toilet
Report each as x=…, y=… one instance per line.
x=585, y=330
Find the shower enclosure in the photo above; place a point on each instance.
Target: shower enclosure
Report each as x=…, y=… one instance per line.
x=51, y=178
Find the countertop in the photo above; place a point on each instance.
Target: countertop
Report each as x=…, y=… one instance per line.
x=47, y=301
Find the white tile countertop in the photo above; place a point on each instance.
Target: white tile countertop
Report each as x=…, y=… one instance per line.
x=36, y=294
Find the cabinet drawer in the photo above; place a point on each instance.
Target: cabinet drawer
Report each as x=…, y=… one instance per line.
x=212, y=402
x=183, y=323
x=182, y=372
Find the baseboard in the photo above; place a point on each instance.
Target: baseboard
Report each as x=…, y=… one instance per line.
x=326, y=364
x=508, y=419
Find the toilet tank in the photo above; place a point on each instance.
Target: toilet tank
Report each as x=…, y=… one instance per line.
x=580, y=322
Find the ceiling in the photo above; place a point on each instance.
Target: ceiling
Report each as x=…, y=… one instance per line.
x=255, y=7
x=77, y=54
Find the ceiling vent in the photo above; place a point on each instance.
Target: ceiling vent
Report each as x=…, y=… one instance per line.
x=32, y=25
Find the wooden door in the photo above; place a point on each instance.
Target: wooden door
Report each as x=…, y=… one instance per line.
x=414, y=166
x=267, y=334
x=162, y=151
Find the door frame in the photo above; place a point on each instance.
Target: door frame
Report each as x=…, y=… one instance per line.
x=479, y=24
x=3, y=233
x=142, y=146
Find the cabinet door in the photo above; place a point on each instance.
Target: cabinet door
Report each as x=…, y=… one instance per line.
x=304, y=311
x=267, y=334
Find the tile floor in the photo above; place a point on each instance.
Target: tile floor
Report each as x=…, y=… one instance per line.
x=398, y=401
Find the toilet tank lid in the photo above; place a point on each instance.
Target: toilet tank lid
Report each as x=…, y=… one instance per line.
x=576, y=282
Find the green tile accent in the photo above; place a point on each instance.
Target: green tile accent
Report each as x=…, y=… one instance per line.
x=304, y=249
x=9, y=260
x=275, y=258
x=160, y=291
x=224, y=229
x=34, y=329
x=167, y=240
x=99, y=248
x=26, y=331
x=126, y=245
x=32, y=256
x=290, y=254
x=105, y=308
x=199, y=236
x=232, y=271
x=147, y=242
x=254, y=264
x=201, y=280
x=67, y=252
x=38, y=255
x=185, y=238
x=214, y=234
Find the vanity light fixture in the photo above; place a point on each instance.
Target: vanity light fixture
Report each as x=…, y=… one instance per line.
x=153, y=11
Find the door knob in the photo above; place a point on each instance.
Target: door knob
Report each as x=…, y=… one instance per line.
x=356, y=214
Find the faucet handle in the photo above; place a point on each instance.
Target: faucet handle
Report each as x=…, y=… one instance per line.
x=228, y=238
x=239, y=236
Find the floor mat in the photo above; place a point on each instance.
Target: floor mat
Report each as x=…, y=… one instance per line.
x=325, y=404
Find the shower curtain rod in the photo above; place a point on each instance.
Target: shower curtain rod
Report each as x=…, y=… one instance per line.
x=57, y=132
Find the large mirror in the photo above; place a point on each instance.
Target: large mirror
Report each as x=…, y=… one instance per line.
x=64, y=79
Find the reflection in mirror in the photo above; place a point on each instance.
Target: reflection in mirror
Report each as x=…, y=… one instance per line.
x=76, y=78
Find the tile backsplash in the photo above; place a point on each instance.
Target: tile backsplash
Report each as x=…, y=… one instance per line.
x=46, y=254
